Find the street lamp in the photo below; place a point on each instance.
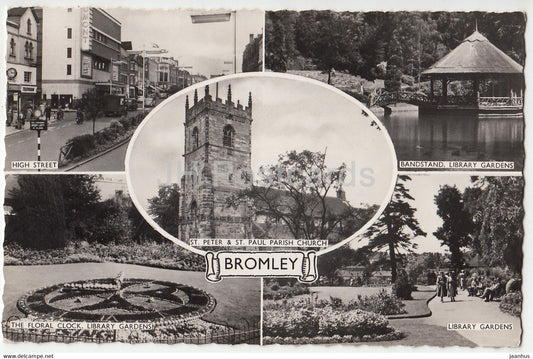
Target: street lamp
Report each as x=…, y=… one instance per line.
x=143, y=53
x=221, y=17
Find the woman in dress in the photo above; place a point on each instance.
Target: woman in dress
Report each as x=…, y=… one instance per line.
x=441, y=286
x=452, y=286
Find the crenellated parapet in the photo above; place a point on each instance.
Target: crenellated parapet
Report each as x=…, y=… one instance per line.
x=208, y=103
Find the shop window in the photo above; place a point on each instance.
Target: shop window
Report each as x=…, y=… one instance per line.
x=69, y=52
x=69, y=33
x=69, y=69
x=27, y=76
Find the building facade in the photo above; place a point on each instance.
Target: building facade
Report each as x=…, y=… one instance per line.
x=80, y=50
x=21, y=61
x=217, y=158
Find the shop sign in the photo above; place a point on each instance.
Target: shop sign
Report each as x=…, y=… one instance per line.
x=85, y=28
x=28, y=89
x=86, y=66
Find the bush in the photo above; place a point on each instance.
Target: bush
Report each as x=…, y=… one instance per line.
x=381, y=303
x=512, y=303
x=283, y=288
x=81, y=145
x=402, y=288
x=297, y=322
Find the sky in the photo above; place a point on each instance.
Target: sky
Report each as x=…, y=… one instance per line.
x=205, y=47
x=287, y=115
x=423, y=188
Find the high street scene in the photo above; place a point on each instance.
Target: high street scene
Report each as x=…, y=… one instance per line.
x=80, y=80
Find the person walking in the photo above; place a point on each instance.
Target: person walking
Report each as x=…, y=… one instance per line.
x=452, y=285
x=441, y=286
x=48, y=113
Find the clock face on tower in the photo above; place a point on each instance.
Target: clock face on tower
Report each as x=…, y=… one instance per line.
x=11, y=73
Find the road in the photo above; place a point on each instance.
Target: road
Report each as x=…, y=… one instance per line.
x=110, y=161
x=22, y=145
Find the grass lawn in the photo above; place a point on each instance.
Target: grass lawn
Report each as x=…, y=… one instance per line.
x=238, y=300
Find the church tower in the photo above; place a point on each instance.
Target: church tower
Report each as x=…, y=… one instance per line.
x=217, y=167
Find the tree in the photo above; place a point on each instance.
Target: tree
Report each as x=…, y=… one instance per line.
x=396, y=227
x=330, y=262
x=296, y=192
x=457, y=227
x=92, y=104
x=49, y=210
x=496, y=205
x=165, y=208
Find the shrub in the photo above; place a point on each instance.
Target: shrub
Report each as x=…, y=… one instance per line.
x=276, y=289
x=402, y=288
x=381, y=303
x=81, y=145
x=512, y=303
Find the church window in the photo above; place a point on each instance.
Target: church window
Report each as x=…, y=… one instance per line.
x=229, y=135
x=195, y=138
x=194, y=208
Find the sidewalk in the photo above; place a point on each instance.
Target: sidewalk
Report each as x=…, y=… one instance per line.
x=474, y=310
x=69, y=116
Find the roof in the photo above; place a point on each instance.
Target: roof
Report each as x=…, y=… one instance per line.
x=335, y=206
x=15, y=13
x=475, y=55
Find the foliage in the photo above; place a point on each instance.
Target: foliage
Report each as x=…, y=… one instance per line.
x=295, y=192
x=301, y=320
x=402, y=288
x=457, y=225
x=359, y=42
x=86, y=145
x=512, y=303
x=381, y=303
x=396, y=227
x=161, y=255
x=48, y=210
x=495, y=204
x=92, y=103
x=329, y=263
x=280, y=289
x=165, y=207
x=334, y=339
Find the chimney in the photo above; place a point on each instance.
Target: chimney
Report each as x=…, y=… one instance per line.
x=251, y=37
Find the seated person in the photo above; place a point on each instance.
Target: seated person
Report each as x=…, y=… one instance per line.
x=490, y=292
x=472, y=288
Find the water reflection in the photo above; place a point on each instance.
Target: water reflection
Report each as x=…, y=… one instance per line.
x=453, y=137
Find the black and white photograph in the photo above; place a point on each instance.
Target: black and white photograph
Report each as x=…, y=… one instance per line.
x=442, y=267
x=90, y=75
x=265, y=177
x=82, y=265
x=261, y=158
x=448, y=86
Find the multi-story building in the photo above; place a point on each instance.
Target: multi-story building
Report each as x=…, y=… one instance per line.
x=21, y=61
x=80, y=50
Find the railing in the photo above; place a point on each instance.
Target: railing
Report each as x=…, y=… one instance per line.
x=500, y=101
x=381, y=97
x=247, y=334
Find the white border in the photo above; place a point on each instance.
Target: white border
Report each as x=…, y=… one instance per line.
x=371, y=117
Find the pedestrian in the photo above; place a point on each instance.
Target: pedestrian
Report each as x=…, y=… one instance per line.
x=441, y=286
x=48, y=112
x=452, y=285
x=60, y=113
x=79, y=116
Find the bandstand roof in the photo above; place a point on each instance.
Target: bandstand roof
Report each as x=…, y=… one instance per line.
x=475, y=55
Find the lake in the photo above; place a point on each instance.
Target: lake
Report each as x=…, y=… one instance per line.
x=455, y=137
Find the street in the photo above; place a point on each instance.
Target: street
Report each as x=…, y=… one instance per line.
x=22, y=145
x=110, y=161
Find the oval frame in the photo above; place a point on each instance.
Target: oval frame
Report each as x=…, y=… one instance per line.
x=202, y=84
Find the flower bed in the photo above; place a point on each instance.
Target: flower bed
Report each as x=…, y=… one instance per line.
x=160, y=255
x=87, y=145
x=304, y=321
x=512, y=303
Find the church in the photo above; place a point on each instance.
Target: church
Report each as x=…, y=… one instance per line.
x=217, y=156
